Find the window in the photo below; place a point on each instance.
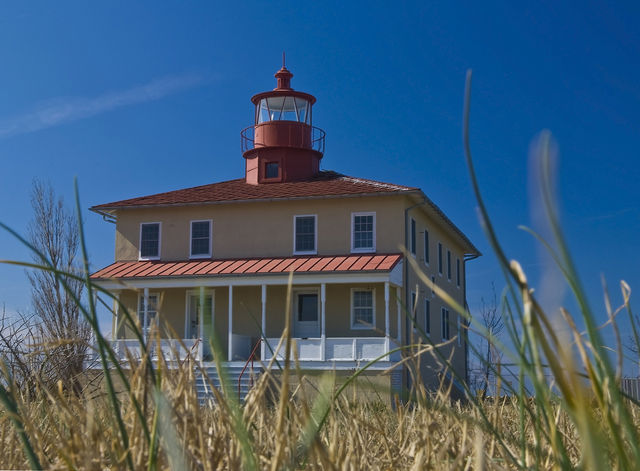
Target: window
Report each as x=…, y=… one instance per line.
x=449, y=264
x=413, y=236
x=433, y=282
x=458, y=272
x=271, y=170
x=304, y=234
x=445, y=324
x=427, y=316
x=426, y=247
x=149, y=241
x=439, y=258
x=151, y=314
x=200, y=239
x=459, y=325
x=363, y=232
x=362, y=309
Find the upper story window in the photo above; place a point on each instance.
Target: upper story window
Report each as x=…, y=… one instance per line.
x=458, y=272
x=362, y=309
x=413, y=236
x=201, y=239
x=439, y=258
x=305, y=235
x=149, y=241
x=426, y=246
x=363, y=232
x=449, y=264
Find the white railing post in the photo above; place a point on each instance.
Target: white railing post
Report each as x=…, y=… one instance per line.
x=323, y=337
x=264, y=322
x=354, y=349
x=230, y=349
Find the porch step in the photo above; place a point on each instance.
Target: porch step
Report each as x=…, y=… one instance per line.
x=204, y=385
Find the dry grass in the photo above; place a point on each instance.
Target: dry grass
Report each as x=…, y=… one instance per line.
x=69, y=432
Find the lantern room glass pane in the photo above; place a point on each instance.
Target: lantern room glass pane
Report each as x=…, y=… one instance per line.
x=283, y=108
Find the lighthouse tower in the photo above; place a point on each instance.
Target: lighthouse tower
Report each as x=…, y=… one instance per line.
x=282, y=145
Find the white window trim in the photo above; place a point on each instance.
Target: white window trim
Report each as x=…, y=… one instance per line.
x=140, y=257
x=363, y=249
x=413, y=237
x=359, y=326
x=196, y=292
x=315, y=238
x=425, y=243
x=209, y=254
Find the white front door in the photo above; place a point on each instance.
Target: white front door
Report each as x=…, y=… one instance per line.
x=306, y=308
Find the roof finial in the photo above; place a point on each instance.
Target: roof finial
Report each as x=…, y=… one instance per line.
x=283, y=76
x=283, y=66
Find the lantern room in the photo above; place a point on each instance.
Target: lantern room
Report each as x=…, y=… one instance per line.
x=282, y=145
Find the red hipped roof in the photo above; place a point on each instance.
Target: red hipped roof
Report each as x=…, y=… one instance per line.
x=325, y=184
x=249, y=266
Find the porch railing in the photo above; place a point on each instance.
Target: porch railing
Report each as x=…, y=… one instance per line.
x=170, y=349
x=334, y=349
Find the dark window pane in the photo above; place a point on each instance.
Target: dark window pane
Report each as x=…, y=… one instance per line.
x=150, y=240
x=305, y=234
x=200, y=235
x=308, y=307
x=363, y=232
x=271, y=170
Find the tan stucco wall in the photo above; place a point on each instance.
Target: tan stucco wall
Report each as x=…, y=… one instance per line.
x=261, y=229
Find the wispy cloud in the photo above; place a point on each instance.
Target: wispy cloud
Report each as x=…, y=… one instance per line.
x=65, y=110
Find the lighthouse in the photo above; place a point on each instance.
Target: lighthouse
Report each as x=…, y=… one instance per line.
x=282, y=145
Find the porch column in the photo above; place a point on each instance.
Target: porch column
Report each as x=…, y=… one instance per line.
x=386, y=316
x=264, y=322
x=116, y=318
x=230, y=349
x=145, y=317
x=323, y=319
x=200, y=315
x=398, y=310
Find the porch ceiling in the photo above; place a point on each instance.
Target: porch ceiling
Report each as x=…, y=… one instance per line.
x=337, y=264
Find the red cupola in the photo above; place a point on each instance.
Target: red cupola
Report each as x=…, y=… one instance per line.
x=282, y=145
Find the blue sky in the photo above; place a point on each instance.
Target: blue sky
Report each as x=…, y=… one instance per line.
x=137, y=98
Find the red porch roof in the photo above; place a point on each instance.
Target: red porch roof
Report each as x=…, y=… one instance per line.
x=249, y=266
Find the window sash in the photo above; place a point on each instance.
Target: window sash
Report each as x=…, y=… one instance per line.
x=150, y=240
x=426, y=246
x=362, y=308
x=305, y=234
x=200, y=238
x=363, y=232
